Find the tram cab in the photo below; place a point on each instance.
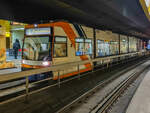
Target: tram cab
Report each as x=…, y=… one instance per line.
x=37, y=46
x=55, y=43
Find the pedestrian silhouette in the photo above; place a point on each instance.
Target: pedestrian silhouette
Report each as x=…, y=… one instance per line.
x=16, y=47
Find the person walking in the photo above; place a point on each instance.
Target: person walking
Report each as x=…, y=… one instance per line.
x=16, y=47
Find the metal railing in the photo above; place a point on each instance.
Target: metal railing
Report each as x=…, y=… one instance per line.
x=17, y=75
x=58, y=68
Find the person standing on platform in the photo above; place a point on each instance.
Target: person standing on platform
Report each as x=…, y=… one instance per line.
x=16, y=47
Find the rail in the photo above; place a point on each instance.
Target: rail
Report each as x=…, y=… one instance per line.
x=101, y=105
x=60, y=67
x=116, y=93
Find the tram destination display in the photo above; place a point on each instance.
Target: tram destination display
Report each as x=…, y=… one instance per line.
x=38, y=31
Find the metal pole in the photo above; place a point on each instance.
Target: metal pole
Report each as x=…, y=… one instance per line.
x=94, y=47
x=27, y=88
x=102, y=62
x=119, y=43
x=107, y=63
x=79, y=71
x=128, y=44
x=59, y=79
x=93, y=67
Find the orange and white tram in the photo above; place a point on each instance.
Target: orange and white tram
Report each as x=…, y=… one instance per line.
x=62, y=42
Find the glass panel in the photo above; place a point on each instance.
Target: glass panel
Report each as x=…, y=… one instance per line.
x=79, y=49
x=60, y=50
x=36, y=48
x=60, y=47
x=100, y=48
x=123, y=44
x=132, y=44
x=114, y=48
x=88, y=48
x=106, y=48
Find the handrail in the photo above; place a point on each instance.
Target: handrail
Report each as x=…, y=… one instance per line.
x=59, y=67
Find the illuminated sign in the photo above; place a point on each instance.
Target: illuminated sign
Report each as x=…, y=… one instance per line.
x=7, y=34
x=147, y=2
x=146, y=7
x=38, y=31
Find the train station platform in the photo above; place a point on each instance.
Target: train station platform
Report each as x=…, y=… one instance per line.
x=16, y=67
x=140, y=102
x=8, y=71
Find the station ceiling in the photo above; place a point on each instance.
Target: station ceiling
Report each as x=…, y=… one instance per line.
x=121, y=16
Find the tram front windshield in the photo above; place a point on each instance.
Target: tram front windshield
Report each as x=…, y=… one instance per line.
x=36, y=48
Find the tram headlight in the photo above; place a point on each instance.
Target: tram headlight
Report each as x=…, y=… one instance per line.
x=23, y=61
x=45, y=63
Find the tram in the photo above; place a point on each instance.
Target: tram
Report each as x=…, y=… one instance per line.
x=61, y=42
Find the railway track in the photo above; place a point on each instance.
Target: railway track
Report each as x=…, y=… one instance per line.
x=109, y=99
x=8, y=93
x=114, y=95
x=82, y=77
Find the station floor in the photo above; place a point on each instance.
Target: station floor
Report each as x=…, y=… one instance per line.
x=140, y=102
x=8, y=71
x=17, y=63
x=11, y=57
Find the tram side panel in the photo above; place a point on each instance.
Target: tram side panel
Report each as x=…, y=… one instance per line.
x=69, y=56
x=107, y=44
x=74, y=42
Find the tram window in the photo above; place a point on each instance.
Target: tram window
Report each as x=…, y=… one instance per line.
x=79, y=46
x=123, y=44
x=88, y=46
x=132, y=44
x=36, y=48
x=107, y=48
x=100, y=47
x=83, y=46
x=60, y=47
x=113, y=47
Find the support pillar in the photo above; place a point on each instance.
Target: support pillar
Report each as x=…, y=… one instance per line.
x=119, y=43
x=128, y=44
x=94, y=43
x=4, y=26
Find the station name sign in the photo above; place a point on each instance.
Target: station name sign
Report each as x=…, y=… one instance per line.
x=38, y=31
